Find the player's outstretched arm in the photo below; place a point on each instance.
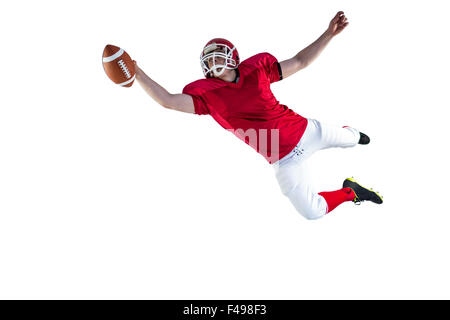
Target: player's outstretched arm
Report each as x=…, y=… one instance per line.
x=180, y=102
x=311, y=52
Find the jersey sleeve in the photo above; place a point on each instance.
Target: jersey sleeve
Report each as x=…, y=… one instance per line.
x=197, y=94
x=271, y=67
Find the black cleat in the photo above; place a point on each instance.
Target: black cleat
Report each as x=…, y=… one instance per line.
x=363, y=139
x=362, y=194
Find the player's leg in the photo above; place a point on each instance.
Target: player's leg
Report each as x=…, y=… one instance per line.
x=297, y=184
x=330, y=136
x=294, y=175
x=351, y=191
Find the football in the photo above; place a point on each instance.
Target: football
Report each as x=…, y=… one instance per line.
x=118, y=66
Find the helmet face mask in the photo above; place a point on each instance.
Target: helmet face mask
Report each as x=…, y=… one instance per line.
x=217, y=56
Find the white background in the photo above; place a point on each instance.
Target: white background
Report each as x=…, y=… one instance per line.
x=105, y=194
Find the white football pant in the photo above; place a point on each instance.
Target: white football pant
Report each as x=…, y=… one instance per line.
x=292, y=170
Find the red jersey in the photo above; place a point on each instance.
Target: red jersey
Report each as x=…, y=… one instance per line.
x=249, y=109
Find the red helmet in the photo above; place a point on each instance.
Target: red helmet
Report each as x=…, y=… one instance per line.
x=217, y=55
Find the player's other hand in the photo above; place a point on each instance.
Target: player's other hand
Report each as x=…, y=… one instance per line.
x=338, y=23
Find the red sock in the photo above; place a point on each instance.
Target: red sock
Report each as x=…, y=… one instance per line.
x=335, y=198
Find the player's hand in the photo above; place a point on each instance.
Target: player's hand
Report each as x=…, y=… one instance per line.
x=135, y=65
x=338, y=23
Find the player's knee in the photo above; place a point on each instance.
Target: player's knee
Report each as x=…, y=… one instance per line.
x=308, y=207
x=312, y=214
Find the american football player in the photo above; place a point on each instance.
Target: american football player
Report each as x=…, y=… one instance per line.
x=238, y=96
